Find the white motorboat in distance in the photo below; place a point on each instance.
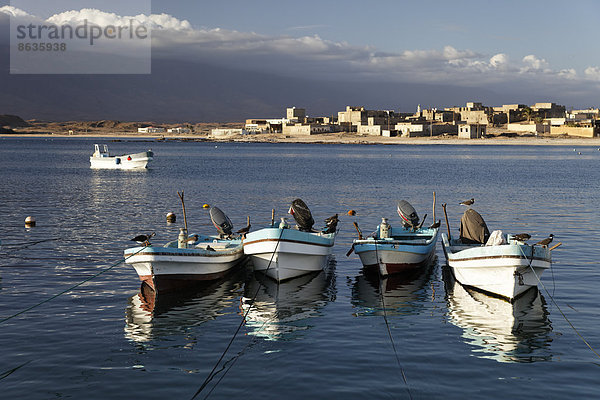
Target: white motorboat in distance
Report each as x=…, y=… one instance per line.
x=101, y=159
x=500, y=265
x=189, y=259
x=283, y=252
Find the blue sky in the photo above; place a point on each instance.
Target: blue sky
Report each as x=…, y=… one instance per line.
x=561, y=32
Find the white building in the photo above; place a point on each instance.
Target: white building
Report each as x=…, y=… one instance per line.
x=224, y=132
x=151, y=129
x=179, y=130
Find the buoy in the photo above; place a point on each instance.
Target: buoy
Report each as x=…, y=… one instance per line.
x=128, y=158
x=171, y=217
x=206, y=206
x=351, y=212
x=29, y=221
x=579, y=153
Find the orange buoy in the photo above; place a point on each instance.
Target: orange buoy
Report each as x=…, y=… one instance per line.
x=29, y=222
x=351, y=212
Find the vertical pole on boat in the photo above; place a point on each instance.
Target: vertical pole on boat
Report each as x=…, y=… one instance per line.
x=272, y=217
x=183, y=206
x=446, y=216
x=434, y=207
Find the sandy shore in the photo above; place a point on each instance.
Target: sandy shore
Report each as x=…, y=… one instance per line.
x=335, y=138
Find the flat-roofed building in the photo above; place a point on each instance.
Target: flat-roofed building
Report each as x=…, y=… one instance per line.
x=305, y=129
x=295, y=114
x=471, y=131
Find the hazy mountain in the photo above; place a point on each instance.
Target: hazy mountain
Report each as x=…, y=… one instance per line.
x=180, y=91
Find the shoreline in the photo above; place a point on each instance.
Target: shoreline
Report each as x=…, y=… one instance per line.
x=330, y=139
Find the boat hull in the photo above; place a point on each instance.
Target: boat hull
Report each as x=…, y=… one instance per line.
x=165, y=269
x=505, y=270
x=127, y=161
x=287, y=254
x=390, y=256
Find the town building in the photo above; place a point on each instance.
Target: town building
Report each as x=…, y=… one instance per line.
x=224, y=132
x=151, y=129
x=305, y=129
x=179, y=130
x=471, y=131
x=294, y=114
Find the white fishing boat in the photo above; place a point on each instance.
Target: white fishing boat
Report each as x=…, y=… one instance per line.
x=282, y=252
x=398, y=249
x=498, y=264
x=101, y=159
x=188, y=259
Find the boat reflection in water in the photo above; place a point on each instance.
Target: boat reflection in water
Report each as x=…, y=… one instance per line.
x=403, y=294
x=152, y=315
x=282, y=310
x=500, y=330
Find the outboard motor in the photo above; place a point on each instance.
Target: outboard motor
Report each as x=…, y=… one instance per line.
x=473, y=229
x=409, y=216
x=302, y=215
x=221, y=221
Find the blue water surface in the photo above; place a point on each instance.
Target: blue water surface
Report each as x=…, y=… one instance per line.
x=324, y=336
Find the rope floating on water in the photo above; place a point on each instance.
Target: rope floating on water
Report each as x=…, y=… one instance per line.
x=212, y=373
x=557, y=306
x=24, y=245
x=387, y=325
x=70, y=288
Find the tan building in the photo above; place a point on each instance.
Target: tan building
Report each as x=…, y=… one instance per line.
x=294, y=114
x=373, y=130
x=305, y=129
x=353, y=116
x=419, y=129
x=531, y=127
x=583, y=130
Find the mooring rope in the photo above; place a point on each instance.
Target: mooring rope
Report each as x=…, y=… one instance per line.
x=387, y=325
x=10, y=371
x=212, y=373
x=24, y=245
x=71, y=287
x=555, y=303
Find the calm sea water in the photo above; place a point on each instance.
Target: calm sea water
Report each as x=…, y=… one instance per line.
x=322, y=336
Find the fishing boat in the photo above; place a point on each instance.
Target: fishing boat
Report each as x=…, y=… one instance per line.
x=188, y=259
x=101, y=159
x=392, y=250
x=498, y=264
x=283, y=252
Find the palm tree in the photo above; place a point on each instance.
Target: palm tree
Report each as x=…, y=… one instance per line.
x=527, y=113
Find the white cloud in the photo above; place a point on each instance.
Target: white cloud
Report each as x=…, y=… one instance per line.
x=592, y=73
x=92, y=15
x=499, y=61
x=13, y=11
x=533, y=64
